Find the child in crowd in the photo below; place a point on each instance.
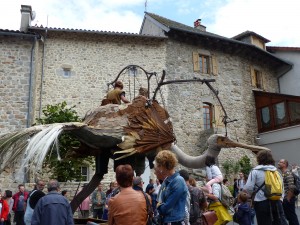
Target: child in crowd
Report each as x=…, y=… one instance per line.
x=243, y=213
x=213, y=173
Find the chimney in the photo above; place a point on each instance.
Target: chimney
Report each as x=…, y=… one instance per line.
x=27, y=15
x=198, y=25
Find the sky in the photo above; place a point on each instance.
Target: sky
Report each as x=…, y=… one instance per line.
x=275, y=20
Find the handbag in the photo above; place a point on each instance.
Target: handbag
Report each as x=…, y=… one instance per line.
x=209, y=217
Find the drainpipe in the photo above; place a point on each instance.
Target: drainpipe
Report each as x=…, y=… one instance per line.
x=31, y=83
x=43, y=72
x=288, y=68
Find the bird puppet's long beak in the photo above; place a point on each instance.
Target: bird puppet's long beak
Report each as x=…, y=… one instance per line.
x=226, y=142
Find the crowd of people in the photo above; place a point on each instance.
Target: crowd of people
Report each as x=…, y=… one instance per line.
x=172, y=199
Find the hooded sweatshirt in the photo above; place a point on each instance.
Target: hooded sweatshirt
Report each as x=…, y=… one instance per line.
x=243, y=214
x=256, y=178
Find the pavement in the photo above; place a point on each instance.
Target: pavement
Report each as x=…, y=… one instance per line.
x=297, y=212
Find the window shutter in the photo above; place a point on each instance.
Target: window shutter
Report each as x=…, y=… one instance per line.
x=218, y=117
x=196, y=61
x=253, y=77
x=214, y=65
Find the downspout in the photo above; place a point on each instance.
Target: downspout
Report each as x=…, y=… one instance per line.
x=43, y=72
x=30, y=83
x=289, y=67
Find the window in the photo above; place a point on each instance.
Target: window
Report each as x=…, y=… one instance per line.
x=294, y=109
x=265, y=117
x=84, y=173
x=280, y=114
x=207, y=116
x=66, y=72
x=256, y=78
x=205, y=63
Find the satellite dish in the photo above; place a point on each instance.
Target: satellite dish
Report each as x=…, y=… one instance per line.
x=33, y=15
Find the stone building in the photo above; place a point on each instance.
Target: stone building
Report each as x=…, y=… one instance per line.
x=41, y=66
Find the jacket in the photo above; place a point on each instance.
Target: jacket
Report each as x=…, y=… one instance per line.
x=243, y=214
x=127, y=207
x=16, y=199
x=52, y=209
x=213, y=171
x=173, y=198
x=256, y=178
x=4, y=209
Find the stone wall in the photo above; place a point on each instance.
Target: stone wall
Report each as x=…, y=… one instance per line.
x=15, y=57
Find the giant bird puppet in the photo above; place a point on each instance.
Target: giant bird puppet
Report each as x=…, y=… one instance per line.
x=127, y=133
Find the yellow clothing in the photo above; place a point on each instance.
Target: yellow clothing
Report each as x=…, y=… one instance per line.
x=114, y=96
x=222, y=213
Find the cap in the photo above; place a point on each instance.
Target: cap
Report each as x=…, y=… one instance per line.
x=137, y=180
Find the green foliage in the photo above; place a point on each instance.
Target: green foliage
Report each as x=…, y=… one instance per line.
x=230, y=167
x=245, y=165
x=67, y=168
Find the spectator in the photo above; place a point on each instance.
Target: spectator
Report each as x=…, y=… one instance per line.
x=98, y=202
x=235, y=187
x=111, y=187
x=114, y=192
x=8, y=198
x=241, y=182
x=267, y=212
x=226, y=182
x=52, y=208
x=84, y=207
x=196, y=193
x=4, y=209
x=213, y=172
x=150, y=191
x=289, y=199
x=129, y=206
x=173, y=194
x=215, y=204
x=32, y=200
x=19, y=202
x=243, y=213
x=65, y=193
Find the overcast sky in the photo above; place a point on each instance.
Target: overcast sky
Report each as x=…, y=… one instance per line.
x=273, y=19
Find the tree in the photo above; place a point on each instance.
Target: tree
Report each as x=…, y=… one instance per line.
x=245, y=165
x=67, y=168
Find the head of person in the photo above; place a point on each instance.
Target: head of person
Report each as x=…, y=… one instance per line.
x=241, y=175
x=193, y=182
x=225, y=182
x=124, y=175
x=118, y=84
x=64, y=193
x=165, y=163
x=283, y=164
x=264, y=157
x=99, y=187
x=143, y=92
x=7, y=194
x=151, y=181
x=210, y=160
x=40, y=185
x=53, y=185
x=185, y=174
x=150, y=189
x=243, y=197
x=138, y=181
x=21, y=188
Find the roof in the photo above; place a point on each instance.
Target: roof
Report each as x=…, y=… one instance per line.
x=16, y=33
x=227, y=44
x=111, y=33
x=277, y=48
x=249, y=33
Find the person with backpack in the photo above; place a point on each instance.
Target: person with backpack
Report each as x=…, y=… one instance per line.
x=196, y=201
x=268, y=207
x=290, y=192
x=243, y=211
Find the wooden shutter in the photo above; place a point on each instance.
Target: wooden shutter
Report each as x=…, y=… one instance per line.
x=196, y=61
x=218, y=116
x=253, y=77
x=214, y=65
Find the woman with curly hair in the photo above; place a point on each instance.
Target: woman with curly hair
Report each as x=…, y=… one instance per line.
x=173, y=192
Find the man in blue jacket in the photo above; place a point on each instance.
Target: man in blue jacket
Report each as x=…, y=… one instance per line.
x=52, y=208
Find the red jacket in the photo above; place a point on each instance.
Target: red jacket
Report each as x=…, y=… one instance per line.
x=5, y=209
x=16, y=199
